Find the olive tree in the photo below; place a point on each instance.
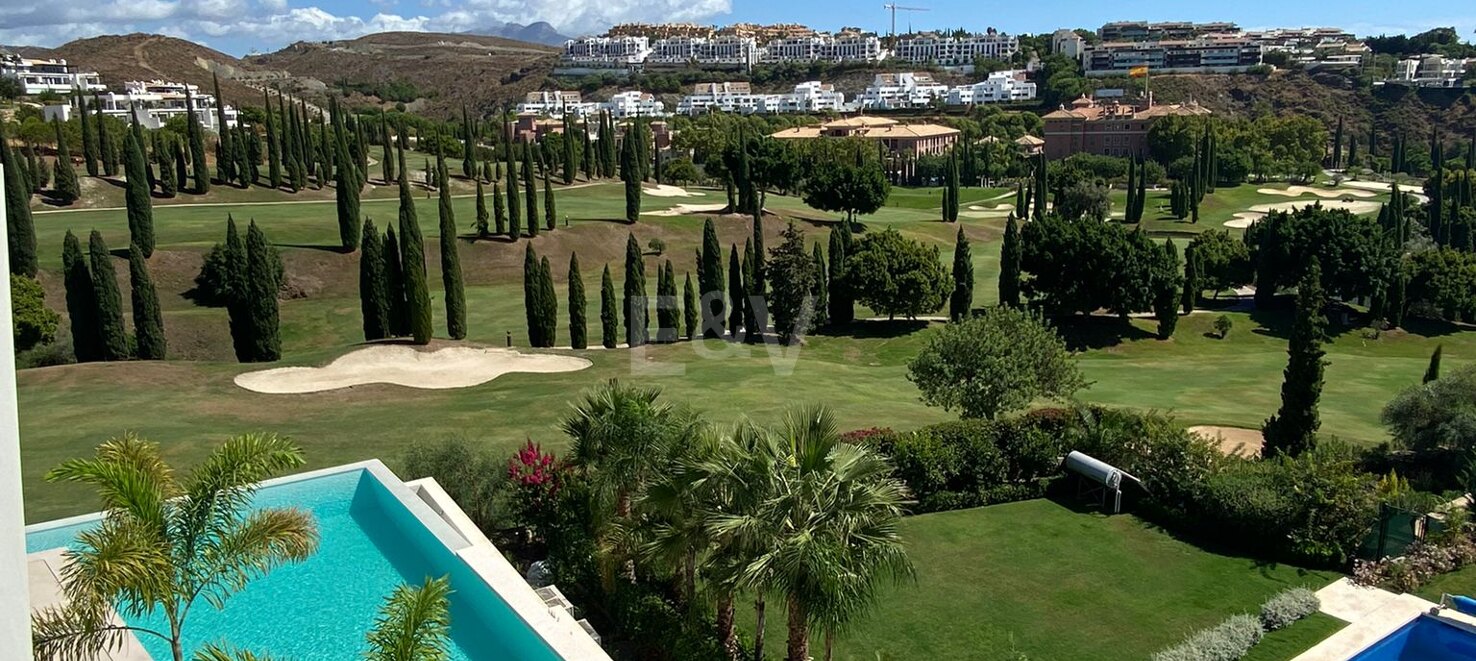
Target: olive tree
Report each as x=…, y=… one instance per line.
x=993, y=363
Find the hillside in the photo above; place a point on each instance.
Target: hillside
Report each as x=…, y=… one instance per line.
x=121, y=58
x=538, y=33
x=447, y=70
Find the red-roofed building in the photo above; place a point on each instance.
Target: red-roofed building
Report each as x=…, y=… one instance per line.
x=1107, y=128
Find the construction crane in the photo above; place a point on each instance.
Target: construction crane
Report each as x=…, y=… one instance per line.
x=894, y=8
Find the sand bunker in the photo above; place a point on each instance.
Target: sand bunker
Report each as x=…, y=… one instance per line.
x=1245, y=219
x=1385, y=188
x=1232, y=440
x=452, y=367
x=663, y=190
x=684, y=209
x=1298, y=191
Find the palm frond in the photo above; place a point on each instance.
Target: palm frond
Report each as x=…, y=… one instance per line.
x=264, y=540
x=413, y=624
x=224, y=652
x=129, y=475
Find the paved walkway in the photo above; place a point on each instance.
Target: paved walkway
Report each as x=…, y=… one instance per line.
x=43, y=574
x=1371, y=613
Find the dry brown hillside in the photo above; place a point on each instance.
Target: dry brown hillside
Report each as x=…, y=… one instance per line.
x=450, y=70
x=138, y=56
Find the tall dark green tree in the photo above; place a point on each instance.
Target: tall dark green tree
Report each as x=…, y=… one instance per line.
x=530, y=191
x=265, y=344
x=532, y=290
x=394, y=286
x=20, y=229
x=961, y=302
x=451, y=262
x=1192, y=282
x=668, y=306
x=550, y=211
x=196, y=135
x=821, y=290
x=571, y=152
x=90, y=151
x=468, y=146
x=1432, y=371
x=274, y=143
x=386, y=158
x=81, y=301
x=140, y=204
x=634, y=302
x=1293, y=430
x=951, y=189
x=737, y=292
x=578, y=332
x=412, y=263
x=1337, y=147
x=710, y=282
x=752, y=302
x=67, y=189
x=499, y=210
x=630, y=174
x=148, y=324
x=347, y=184
x=164, y=148
x=484, y=225
x=1166, y=296
x=515, y=218
x=114, y=339
x=758, y=287
x=105, y=146
x=374, y=303
x=609, y=311
x=842, y=299
x=1009, y=264
x=691, y=316
x=225, y=168
x=548, y=316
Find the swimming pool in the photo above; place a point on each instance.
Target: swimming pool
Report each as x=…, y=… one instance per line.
x=374, y=535
x=1424, y=639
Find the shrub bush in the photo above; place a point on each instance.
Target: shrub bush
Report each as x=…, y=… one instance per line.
x=471, y=476
x=1226, y=641
x=969, y=463
x=1287, y=607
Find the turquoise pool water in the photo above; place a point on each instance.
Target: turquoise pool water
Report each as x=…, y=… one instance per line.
x=320, y=610
x=1424, y=639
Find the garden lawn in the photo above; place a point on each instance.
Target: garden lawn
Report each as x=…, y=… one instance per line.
x=1286, y=643
x=1461, y=581
x=1039, y=578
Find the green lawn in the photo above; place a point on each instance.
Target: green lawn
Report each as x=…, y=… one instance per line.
x=1053, y=583
x=1462, y=582
x=1285, y=644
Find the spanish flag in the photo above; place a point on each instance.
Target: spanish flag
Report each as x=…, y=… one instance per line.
x=1138, y=72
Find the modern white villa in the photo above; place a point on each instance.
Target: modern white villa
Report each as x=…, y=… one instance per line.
x=37, y=76
x=153, y=103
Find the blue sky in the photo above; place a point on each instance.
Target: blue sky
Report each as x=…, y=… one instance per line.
x=241, y=26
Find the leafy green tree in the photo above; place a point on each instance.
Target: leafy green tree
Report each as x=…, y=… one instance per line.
x=34, y=323
x=609, y=311
x=997, y=361
x=961, y=302
x=1081, y=267
x=261, y=298
x=854, y=188
x=67, y=190
x=374, y=300
x=20, y=229
x=1435, y=416
x=414, y=624
x=634, y=302
x=451, y=263
x=792, y=302
x=114, y=345
x=1293, y=430
x=140, y=205
x=412, y=265
x=1009, y=264
x=148, y=323
x=577, y=331
x=710, y=281
x=82, y=307
x=169, y=542
x=895, y=275
x=691, y=317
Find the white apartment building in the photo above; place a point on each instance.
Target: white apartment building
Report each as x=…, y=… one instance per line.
x=955, y=51
x=902, y=90
x=552, y=102
x=1068, y=42
x=153, y=103
x=843, y=47
x=728, y=50
x=739, y=98
x=1313, y=48
x=999, y=87
x=1432, y=71
x=37, y=76
x=606, y=51
x=634, y=104
x=854, y=47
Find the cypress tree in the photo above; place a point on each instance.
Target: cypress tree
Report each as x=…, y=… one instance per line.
x=736, y=292
x=164, y=149
x=951, y=189
x=571, y=153
x=196, y=135
x=668, y=309
x=1293, y=429
x=759, y=286
x=578, y=338
x=412, y=261
x=451, y=262
x=548, y=315
x=261, y=298
x=346, y=192
x=140, y=205
x=468, y=146
x=386, y=162
x=550, y=213
x=484, y=228
x=821, y=289
x=1165, y=300
x=1432, y=372
x=530, y=192
x=105, y=146
x=1041, y=186
x=1396, y=300
x=634, y=303
x=113, y=340
x=499, y=210
x=1009, y=264
x=20, y=229
x=514, y=217
x=630, y=175
x=90, y=151
x=691, y=317
x=67, y=189
x=225, y=169
x=394, y=280
x=754, y=333
x=374, y=302
x=1130, y=213
x=587, y=163
x=710, y=281
x=609, y=311
x=532, y=290
x=842, y=300
x=81, y=301
x=1190, y=294
x=273, y=143
x=148, y=324
x=961, y=303
x=235, y=290
x=1337, y=149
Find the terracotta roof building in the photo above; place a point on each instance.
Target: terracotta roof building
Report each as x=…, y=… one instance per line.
x=1116, y=128
x=919, y=139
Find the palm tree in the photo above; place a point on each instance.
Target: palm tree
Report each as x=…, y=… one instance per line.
x=828, y=533
x=414, y=624
x=671, y=516
x=165, y=544
x=622, y=435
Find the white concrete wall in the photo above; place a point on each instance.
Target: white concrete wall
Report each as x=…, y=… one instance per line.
x=15, y=601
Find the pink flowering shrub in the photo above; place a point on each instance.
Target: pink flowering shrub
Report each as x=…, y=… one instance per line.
x=536, y=477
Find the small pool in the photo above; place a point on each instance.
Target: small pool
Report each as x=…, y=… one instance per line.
x=373, y=537
x=1423, y=639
